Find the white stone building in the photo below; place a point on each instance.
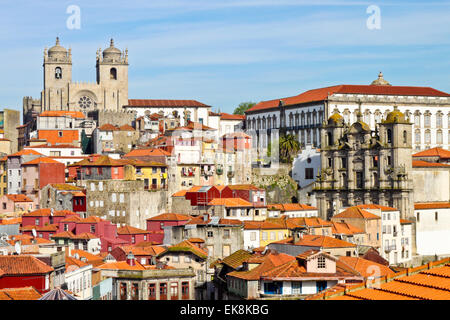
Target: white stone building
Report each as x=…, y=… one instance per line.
x=306, y=166
x=302, y=115
x=432, y=228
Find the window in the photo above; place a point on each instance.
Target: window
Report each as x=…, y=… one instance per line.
x=436, y=216
x=417, y=136
x=272, y=235
x=418, y=216
x=226, y=233
x=92, y=228
x=264, y=235
x=210, y=234
x=309, y=173
x=389, y=136
x=321, y=262
x=296, y=287
x=37, y=221
x=252, y=236
x=175, y=259
x=58, y=73
x=113, y=74
x=187, y=259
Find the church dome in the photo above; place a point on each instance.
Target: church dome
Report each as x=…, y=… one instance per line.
x=335, y=118
x=380, y=81
x=57, y=50
x=112, y=52
x=395, y=116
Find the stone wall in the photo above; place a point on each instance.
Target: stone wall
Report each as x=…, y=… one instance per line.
x=279, y=186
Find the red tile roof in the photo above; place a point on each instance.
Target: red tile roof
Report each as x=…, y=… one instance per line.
x=229, y=202
x=290, y=207
x=227, y=116
x=18, y=198
x=23, y=264
x=45, y=212
x=60, y=113
x=366, y=267
x=376, y=206
x=147, y=152
x=356, y=212
x=108, y=127
x=52, y=136
x=170, y=217
x=434, y=152
x=431, y=205
x=25, y=293
x=425, y=164
x=164, y=103
x=187, y=246
x=131, y=230
x=318, y=241
x=321, y=94
x=41, y=160
x=121, y=265
x=25, y=152
x=345, y=228
x=261, y=225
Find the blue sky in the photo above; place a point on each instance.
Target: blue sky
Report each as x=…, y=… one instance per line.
x=225, y=52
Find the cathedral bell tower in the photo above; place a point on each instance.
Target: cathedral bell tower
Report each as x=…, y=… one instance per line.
x=112, y=76
x=57, y=77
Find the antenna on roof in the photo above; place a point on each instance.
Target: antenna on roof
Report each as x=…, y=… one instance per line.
x=33, y=231
x=18, y=248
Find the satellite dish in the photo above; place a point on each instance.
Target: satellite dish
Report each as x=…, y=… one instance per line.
x=18, y=248
x=33, y=231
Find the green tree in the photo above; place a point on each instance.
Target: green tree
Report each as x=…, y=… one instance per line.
x=244, y=106
x=289, y=147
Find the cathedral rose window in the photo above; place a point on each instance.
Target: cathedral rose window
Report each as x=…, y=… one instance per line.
x=85, y=102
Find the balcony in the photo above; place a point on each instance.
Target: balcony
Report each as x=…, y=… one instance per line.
x=230, y=174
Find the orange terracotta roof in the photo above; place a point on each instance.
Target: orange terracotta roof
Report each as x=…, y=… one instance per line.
x=64, y=234
x=227, y=116
x=147, y=152
x=170, y=217
x=131, y=230
x=267, y=262
x=48, y=228
x=45, y=212
x=18, y=198
x=91, y=219
x=312, y=222
x=108, y=127
x=23, y=264
x=236, y=258
x=290, y=207
x=425, y=164
x=345, y=228
x=126, y=127
x=186, y=245
x=65, y=187
x=121, y=265
x=431, y=205
x=229, y=202
x=25, y=152
x=164, y=103
x=321, y=94
x=356, y=212
x=51, y=146
x=52, y=136
x=85, y=236
x=180, y=193
x=41, y=160
x=28, y=240
x=261, y=225
x=93, y=259
x=71, y=261
x=376, y=206
x=6, y=221
x=434, y=152
x=60, y=113
x=25, y=293
x=403, y=221
x=143, y=250
x=366, y=267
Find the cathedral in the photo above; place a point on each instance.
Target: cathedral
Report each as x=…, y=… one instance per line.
x=108, y=93
x=362, y=166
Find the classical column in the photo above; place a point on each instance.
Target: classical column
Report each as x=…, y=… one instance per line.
x=351, y=173
x=366, y=170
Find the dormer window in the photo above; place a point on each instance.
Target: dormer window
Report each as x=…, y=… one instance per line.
x=58, y=73
x=321, y=262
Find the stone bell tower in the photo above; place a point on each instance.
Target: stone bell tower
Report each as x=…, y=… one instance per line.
x=57, y=77
x=112, y=76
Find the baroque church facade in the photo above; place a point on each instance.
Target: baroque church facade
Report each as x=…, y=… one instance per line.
x=363, y=166
x=108, y=93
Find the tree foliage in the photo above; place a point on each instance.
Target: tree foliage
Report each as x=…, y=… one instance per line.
x=244, y=106
x=289, y=147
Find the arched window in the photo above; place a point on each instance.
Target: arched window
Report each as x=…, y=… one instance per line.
x=113, y=74
x=58, y=73
x=330, y=138
x=389, y=135
x=405, y=137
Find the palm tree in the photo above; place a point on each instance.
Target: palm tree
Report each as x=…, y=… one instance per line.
x=289, y=146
